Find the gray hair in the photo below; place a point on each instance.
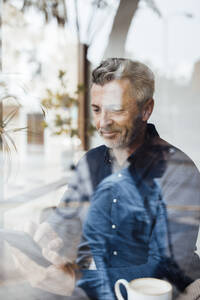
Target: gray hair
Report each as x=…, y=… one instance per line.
x=139, y=75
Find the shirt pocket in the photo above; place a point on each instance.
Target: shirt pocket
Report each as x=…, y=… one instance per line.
x=142, y=226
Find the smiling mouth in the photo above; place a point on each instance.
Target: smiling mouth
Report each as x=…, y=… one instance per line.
x=109, y=134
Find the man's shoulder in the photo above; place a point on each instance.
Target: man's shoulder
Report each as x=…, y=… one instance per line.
x=96, y=162
x=100, y=150
x=177, y=154
x=93, y=156
x=181, y=171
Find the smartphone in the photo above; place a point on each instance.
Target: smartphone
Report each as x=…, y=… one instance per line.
x=25, y=243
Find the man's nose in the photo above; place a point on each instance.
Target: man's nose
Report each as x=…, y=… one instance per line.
x=105, y=119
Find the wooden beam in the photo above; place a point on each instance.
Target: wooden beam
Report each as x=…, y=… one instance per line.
x=1, y=107
x=83, y=80
x=1, y=114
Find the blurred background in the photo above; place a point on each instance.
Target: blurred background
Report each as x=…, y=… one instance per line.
x=47, y=51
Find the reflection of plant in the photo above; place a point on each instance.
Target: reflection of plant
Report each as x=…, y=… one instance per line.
x=10, y=96
x=6, y=136
x=6, y=131
x=63, y=108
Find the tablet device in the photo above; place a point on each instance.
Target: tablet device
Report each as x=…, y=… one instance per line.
x=25, y=243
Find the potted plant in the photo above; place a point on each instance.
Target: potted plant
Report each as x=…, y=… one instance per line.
x=61, y=109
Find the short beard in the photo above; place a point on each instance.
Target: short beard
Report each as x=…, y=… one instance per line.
x=137, y=131
x=132, y=135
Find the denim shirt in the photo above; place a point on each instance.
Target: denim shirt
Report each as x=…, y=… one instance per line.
x=126, y=224
x=126, y=230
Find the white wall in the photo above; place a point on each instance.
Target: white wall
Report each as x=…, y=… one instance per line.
x=176, y=114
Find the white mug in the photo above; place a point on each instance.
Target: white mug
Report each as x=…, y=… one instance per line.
x=145, y=289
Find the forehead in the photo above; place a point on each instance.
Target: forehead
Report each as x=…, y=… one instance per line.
x=112, y=93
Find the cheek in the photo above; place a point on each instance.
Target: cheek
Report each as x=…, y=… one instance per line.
x=124, y=121
x=96, y=121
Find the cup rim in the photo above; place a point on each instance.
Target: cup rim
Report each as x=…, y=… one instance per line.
x=154, y=279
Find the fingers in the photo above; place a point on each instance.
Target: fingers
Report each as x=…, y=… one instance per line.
x=50, y=243
x=54, y=257
x=44, y=235
x=30, y=228
x=55, y=244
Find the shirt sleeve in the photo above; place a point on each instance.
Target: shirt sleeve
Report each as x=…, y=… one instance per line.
x=97, y=231
x=159, y=244
x=97, y=227
x=160, y=251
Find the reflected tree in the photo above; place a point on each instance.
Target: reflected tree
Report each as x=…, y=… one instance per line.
x=49, y=8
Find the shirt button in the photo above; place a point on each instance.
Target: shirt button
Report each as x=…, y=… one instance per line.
x=114, y=252
x=114, y=200
x=119, y=175
x=113, y=226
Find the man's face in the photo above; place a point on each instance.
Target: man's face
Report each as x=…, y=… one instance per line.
x=116, y=113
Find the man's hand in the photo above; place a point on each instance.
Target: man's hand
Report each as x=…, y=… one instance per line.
x=59, y=278
x=56, y=280
x=50, y=243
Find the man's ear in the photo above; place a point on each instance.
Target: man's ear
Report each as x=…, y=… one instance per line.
x=147, y=109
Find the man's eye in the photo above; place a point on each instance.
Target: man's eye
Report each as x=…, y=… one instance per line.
x=96, y=110
x=117, y=110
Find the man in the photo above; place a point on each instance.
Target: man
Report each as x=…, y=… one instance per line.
x=127, y=224
x=122, y=102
